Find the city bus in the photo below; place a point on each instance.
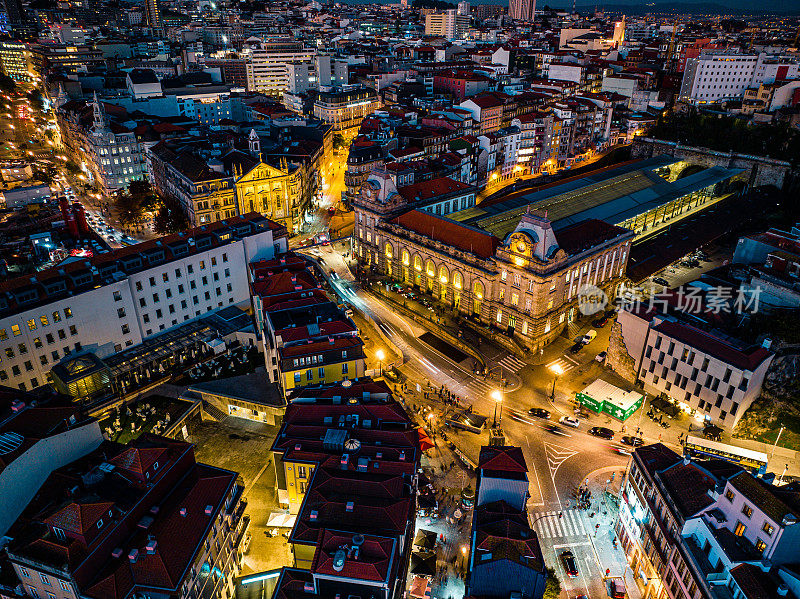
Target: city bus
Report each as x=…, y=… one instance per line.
x=698, y=447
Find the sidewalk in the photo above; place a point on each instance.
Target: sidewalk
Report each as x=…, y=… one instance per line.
x=604, y=485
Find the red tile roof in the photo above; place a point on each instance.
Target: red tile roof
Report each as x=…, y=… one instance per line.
x=430, y=190
x=450, y=232
x=506, y=458
x=79, y=518
x=374, y=561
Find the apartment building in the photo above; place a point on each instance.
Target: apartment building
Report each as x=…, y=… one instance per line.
x=117, y=300
x=346, y=462
x=707, y=529
x=711, y=376
x=15, y=60
x=505, y=557
x=38, y=434
x=449, y=24
x=307, y=339
x=132, y=520
x=344, y=109
x=717, y=75
x=108, y=150
x=267, y=66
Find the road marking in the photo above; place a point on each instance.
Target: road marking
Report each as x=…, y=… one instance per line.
x=550, y=526
x=535, y=473
x=512, y=364
x=255, y=480
x=564, y=363
x=576, y=544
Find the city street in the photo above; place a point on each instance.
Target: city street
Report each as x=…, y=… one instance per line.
x=559, y=458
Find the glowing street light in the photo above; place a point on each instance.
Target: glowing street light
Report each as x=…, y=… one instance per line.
x=497, y=396
x=557, y=371
x=381, y=357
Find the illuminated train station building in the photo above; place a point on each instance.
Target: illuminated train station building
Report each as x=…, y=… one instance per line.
x=519, y=264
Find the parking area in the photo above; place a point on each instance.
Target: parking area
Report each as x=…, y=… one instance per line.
x=243, y=446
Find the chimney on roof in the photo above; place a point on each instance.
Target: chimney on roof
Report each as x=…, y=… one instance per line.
x=308, y=587
x=350, y=506
x=313, y=515
x=209, y=510
x=183, y=511
x=150, y=548
x=117, y=553
x=782, y=590
x=133, y=556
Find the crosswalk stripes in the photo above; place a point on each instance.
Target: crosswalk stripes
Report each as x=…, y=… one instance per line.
x=564, y=363
x=550, y=526
x=512, y=364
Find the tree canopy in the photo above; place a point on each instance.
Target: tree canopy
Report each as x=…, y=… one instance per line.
x=170, y=218
x=730, y=134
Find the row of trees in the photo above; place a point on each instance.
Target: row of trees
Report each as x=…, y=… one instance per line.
x=730, y=134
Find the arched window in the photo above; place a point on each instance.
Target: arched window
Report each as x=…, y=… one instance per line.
x=443, y=278
x=458, y=280
x=389, y=252
x=417, y=263
x=406, y=258
x=477, y=297
x=430, y=268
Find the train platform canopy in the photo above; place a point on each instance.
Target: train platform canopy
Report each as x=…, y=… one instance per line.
x=613, y=195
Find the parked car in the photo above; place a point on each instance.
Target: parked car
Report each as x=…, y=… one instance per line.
x=661, y=281
x=576, y=348
x=539, y=413
x=570, y=421
x=602, y=432
x=570, y=566
x=601, y=322
x=601, y=356
x=632, y=441
x=589, y=337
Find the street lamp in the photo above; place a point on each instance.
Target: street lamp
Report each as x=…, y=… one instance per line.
x=381, y=357
x=557, y=371
x=497, y=396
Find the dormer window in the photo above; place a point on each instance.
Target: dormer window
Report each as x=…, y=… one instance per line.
x=100, y=523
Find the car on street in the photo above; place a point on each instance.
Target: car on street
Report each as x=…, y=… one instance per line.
x=632, y=441
x=570, y=421
x=602, y=432
x=601, y=356
x=601, y=322
x=576, y=348
x=539, y=413
x=661, y=281
x=589, y=337
x=556, y=430
x=569, y=563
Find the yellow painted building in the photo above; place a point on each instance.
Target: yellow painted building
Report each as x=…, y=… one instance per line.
x=321, y=362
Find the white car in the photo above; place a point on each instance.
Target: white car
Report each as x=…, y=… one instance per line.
x=570, y=421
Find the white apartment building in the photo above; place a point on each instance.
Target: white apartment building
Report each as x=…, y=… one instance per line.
x=713, y=377
x=114, y=156
x=118, y=299
x=267, y=68
x=720, y=75
x=449, y=24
